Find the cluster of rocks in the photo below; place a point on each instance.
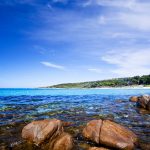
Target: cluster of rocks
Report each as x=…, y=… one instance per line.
x=142, y=101
x=48, y=131
x=102, y=132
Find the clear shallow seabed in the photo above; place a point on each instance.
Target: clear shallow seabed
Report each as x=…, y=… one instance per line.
x=20, y=106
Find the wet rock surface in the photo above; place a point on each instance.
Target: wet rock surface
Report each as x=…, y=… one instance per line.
x=110, y=134
x=144, y=102
x=134, y=99
x=92, y=130
x=39, y=131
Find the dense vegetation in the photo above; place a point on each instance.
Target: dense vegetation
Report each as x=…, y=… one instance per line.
x=117, y=82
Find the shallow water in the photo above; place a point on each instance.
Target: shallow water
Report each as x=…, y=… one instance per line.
x=20, y=106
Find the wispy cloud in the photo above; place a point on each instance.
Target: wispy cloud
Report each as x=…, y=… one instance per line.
x=96, y=70
x=51, y=65
x=129, y=62
x=133, y=13
x=119, y=24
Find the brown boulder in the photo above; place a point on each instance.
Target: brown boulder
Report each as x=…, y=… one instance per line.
x=110, y=134
x=92, y=130
x=133, y=99
x=63, y=142
x=117, y=136
x=39, y=131
x=144, y=102
x=148, y=106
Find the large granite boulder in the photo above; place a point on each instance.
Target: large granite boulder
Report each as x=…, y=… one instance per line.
x=39, y=131
x=110, y=134
x=117, y=136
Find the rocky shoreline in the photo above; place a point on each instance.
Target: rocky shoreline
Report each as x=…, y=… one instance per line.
x=50, y=134
x=85, y=133
x=105, y=134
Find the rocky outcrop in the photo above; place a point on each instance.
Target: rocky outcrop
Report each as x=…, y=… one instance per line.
x=110, y=134
x=38, y=131
x=48, y=132
x=142, y=101
x=134, y=99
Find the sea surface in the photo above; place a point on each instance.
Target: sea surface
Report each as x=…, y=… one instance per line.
x=21, y=106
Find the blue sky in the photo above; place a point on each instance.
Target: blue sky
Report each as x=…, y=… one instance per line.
x=45, y=42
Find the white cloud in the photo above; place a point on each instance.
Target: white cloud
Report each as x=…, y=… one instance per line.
x=129, y=62
x=111, y=3
x=51, y=65
x=96, y=70
x=136, y=20
x=134, y=15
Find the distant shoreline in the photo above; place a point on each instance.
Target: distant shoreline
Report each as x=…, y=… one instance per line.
x=124, y=87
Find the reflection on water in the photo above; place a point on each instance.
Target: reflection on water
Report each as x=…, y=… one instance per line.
x=17, y=111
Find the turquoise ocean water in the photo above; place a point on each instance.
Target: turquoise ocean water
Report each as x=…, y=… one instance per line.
x=55, y=92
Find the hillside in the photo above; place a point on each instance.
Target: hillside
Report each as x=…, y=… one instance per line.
x=117, y=82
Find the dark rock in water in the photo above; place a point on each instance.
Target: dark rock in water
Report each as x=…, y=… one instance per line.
x=110, y=134
x=143, y=111
x=120, y=101
x=66, y=124
x=84, y=146
x=39, y=131
x=134, y=99
x=144, y=102
x=97, y=148
x=145, y=146
x=148, y=105
x=62, y=142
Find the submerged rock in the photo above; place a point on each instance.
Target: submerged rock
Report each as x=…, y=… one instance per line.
x=145, y=146
x=134, y=99
x=110, y=134
x=39, y=131
x=142, y=101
